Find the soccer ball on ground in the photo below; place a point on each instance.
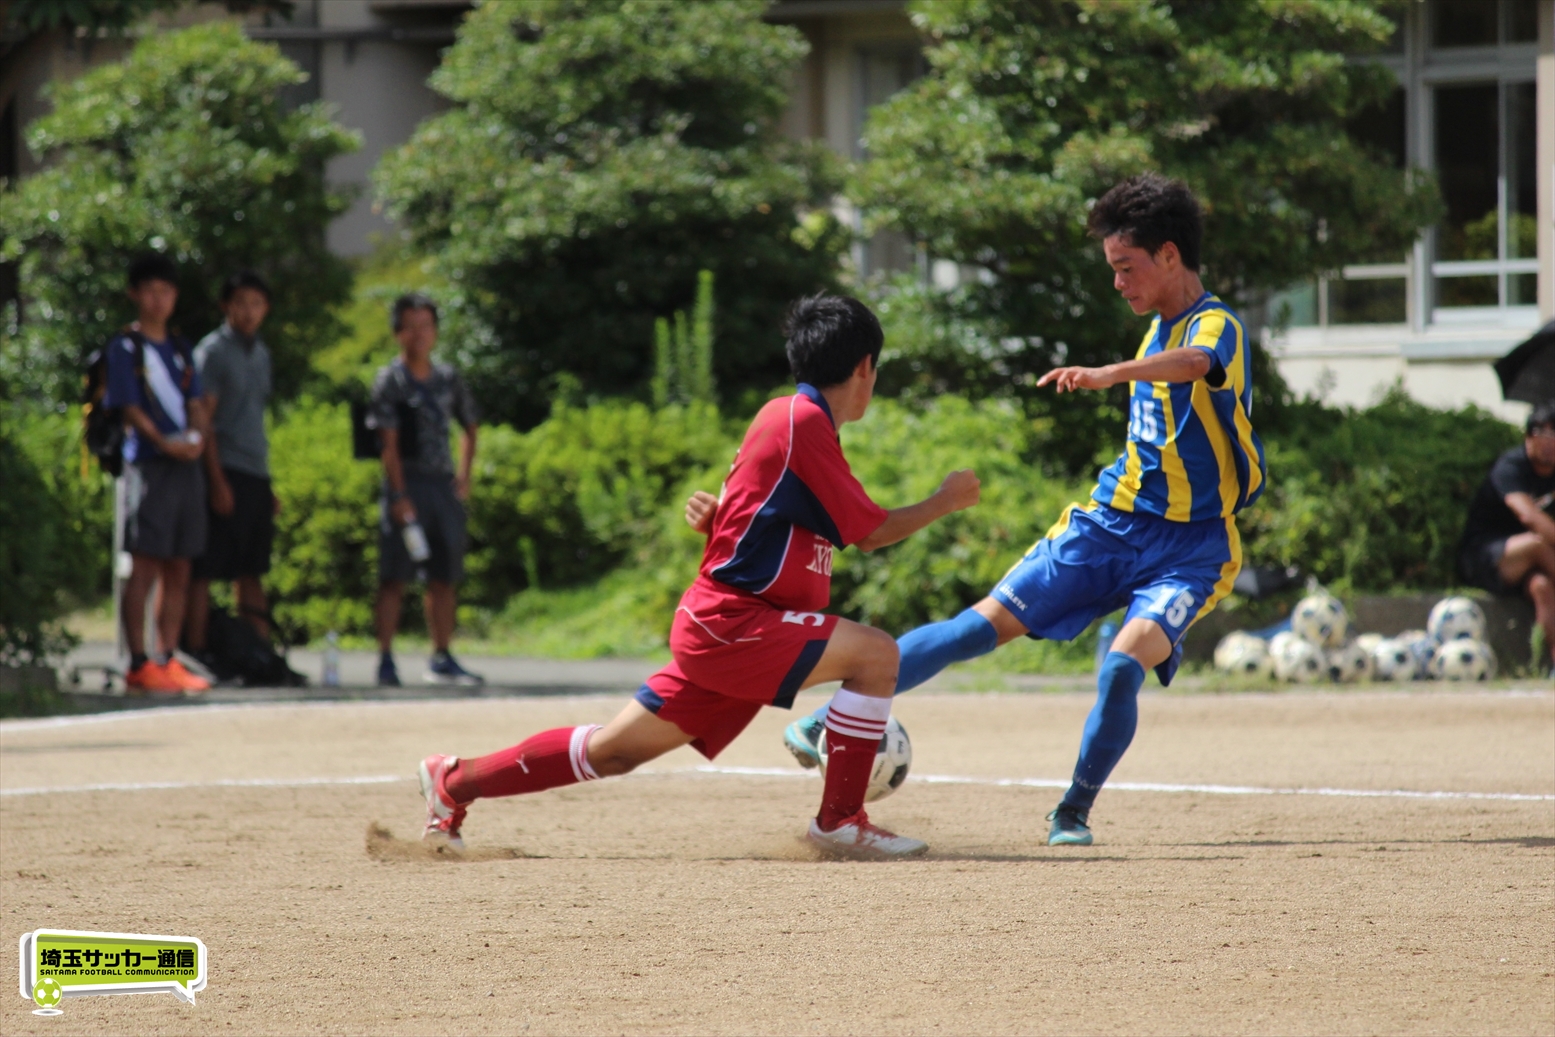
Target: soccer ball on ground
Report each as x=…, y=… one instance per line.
x=1421, y=645
x=1454, y=618
x=1349, y=663
x=1241, y=652
x=1368, y=642
x=1463, y=659
x=1300, y=661
x=893, y=758
x=1394, y=660
x=1320, y=619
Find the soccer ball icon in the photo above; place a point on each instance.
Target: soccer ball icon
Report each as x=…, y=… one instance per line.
x=1301, y=661
x=1320, y=619
x=1454, y=618
x=1393, y=659
x=48, y=992
x=1463, y=659
x=893, y=759
x=1240, y=652
x=1349, y=663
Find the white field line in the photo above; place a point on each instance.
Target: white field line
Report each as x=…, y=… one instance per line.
x=788, y=772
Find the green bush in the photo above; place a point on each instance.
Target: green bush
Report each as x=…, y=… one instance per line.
x=1374, y=499
x=55, y=530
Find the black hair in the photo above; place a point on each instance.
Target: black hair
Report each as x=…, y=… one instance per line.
x=152, y=266
x=827, y=337
x=244, y=279
x=1543, y=416
x=411, y=301
x=1148, y=211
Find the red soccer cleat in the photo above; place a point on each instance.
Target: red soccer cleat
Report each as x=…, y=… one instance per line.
x=444, y=816
x=188, y=683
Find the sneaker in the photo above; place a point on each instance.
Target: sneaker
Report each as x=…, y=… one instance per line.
x=1068, y=827
x=803, y=739
x=860, y=840
x=388, y=673
x=189, y=683
x=151, y=678
x=444, y=816
x=443, y=668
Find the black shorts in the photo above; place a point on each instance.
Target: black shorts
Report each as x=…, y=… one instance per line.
x=442, y=518
x=1480, y=566
x=166, y=509
x=239, y=544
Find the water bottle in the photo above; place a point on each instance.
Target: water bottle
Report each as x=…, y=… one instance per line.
x=331, y=660
x=1104, y=637
x=416, y=542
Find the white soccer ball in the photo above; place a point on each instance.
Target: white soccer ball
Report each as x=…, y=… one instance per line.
x=1368, y=642
x=1279, y=642
x=1320, y=619
x=1241, y=652
x=1454, y=618
x=893, y=759
x=1349, y=663
x=1421, y=645
x=1300, y=661
x=1394, y=660
x=1464, y=659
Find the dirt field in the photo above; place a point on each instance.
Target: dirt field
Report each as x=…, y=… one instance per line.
x=678, y=901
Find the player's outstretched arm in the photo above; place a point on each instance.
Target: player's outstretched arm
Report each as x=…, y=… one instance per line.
x=1175, y=365
x=961, y=489
x=701, y=506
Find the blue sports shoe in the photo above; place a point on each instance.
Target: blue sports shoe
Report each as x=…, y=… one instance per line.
x=388, y=673
x=1068, y=827
x=443, y=668
x=803, y=738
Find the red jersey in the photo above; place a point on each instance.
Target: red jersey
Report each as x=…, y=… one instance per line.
x=789, y=500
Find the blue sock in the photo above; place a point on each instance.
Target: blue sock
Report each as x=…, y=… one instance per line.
x=929, y=649
x=1109, y=729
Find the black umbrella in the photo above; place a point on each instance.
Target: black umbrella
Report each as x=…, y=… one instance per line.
x=1527, y=373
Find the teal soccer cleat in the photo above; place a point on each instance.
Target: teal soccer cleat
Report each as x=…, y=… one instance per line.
x=1068, y=827
x=802, y=738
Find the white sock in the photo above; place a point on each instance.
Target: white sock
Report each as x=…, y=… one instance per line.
x=860, y=716
x=578, y=752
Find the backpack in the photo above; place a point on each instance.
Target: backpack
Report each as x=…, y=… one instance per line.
x=102, y=433
x=365, y=444
x=235, y=651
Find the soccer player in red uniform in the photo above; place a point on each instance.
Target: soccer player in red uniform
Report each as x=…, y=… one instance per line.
x=750, y=632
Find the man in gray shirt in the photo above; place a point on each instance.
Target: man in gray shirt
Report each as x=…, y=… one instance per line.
x=234, y=365
x=414, y=400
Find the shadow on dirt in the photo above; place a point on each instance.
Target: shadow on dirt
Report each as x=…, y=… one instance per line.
x=383, y=845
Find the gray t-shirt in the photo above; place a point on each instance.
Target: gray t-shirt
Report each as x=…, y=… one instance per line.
x=441, y=398
x=238, y=375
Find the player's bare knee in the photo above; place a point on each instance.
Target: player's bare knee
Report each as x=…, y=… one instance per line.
x=613, y=764
x=1541, y=589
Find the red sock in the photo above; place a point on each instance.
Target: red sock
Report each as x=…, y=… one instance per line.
x=543, y=761
x=854, y=726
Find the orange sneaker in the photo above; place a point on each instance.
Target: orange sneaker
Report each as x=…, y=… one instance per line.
x=188, y=683
x=151, y=677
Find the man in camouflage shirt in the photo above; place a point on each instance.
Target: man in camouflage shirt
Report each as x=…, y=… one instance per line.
x=414, y=400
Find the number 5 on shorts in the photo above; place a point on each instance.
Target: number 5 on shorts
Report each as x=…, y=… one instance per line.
x=1177, y=612
x=803, y=618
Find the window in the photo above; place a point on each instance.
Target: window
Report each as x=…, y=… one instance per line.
x=1484, y=158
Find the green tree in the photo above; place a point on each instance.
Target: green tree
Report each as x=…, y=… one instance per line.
x=184, y=147
x=1033, y=108
x=597, y=156
x=683, y=352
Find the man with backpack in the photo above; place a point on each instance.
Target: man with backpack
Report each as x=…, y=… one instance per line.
x=153, y=384
x=421, y=517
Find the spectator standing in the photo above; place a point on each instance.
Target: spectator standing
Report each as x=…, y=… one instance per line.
x=234, y=368
x=413, y=401
x=152, y=378
x=1508, y=545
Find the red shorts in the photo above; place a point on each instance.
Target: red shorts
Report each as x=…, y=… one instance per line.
x=734, y=653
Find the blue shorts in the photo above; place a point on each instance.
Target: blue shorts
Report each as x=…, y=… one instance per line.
x=1096, y=560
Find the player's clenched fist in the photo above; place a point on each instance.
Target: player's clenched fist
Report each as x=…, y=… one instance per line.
x=961, y=489
x=700, y=508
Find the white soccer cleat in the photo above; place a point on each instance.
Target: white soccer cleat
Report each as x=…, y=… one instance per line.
x=444, y=816
x=860, y=840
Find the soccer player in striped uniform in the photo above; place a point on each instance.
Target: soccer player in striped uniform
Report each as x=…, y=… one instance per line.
x=1158, y=536
x=749, y=631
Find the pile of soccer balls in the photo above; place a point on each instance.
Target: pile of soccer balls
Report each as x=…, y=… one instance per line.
x=1317, y=647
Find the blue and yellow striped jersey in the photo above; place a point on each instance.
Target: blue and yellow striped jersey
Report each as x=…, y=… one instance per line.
x=1192, y=453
